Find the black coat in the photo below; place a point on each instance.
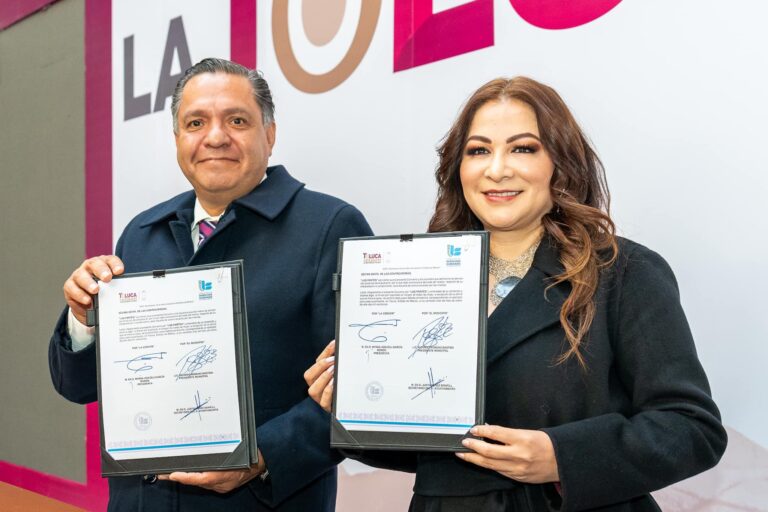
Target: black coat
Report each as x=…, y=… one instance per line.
x=638, y=419
x=287, y=237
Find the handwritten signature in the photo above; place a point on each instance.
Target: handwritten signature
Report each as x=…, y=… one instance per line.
x=431, y=334
x=139, y=363
x=198, y=406
x=432, y=385
x=196, y=359
x=380, y=338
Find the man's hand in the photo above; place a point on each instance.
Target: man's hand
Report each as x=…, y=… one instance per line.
x=218, y=481
x=319, y=377
x=81, y=284
x=524, y=455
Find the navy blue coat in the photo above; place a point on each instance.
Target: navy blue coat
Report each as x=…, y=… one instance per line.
x=287, y=237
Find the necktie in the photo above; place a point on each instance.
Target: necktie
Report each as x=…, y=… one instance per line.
x=205, y=229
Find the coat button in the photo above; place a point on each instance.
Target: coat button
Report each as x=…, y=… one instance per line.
x=149, y=479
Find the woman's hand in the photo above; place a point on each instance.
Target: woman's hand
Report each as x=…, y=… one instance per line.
x=319, y=377
x=524, y=455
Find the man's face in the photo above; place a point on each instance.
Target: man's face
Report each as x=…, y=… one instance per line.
x=222, y=145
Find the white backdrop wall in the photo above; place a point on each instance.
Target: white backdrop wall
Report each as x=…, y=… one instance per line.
x=671, y=94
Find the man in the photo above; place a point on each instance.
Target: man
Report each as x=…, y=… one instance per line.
x=287, y=237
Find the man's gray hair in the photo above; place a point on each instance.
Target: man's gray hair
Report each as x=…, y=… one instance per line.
x=261, y=92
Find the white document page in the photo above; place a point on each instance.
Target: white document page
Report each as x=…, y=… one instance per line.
x=168, y=367
x=408, y=336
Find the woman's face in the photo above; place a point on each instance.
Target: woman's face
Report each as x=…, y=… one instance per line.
x=505, y=170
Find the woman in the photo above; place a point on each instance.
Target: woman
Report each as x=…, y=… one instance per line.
x=595, y=395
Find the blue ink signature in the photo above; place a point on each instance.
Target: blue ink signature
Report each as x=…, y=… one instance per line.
x=389, y=322
x=196, y=359
x=432, y=333
x=139, y=363
x=198, y=405
x=431, y=387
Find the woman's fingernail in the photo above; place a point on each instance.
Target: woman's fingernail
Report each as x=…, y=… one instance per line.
x=473, y=430
x=460, y=455
x=465, y=442
x=329, y=359
x=330, y=368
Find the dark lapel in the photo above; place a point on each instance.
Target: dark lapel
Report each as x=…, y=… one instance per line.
x=178, y=211
x=182, y=233
x=212, y=251
x=530, y=307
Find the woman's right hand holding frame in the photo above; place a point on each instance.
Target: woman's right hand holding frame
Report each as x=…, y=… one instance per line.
x=319, y=377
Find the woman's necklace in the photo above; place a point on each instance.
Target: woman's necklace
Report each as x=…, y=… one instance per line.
x=507, y=273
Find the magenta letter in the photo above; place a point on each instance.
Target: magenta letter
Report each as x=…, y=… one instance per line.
x=422, y=37
x=560, y=14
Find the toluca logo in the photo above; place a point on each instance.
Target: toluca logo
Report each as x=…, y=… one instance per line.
x=128, y=296
x=371, y=257
x=206, y=290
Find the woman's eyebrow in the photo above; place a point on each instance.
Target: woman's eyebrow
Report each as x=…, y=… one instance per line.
x=479, y=138
x=522, y=135
x=511, y=139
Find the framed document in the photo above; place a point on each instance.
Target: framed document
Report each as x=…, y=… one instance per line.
x=410, y=341
x=173, y=367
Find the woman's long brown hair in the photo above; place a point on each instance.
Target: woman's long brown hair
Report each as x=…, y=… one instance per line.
x=579, y=222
